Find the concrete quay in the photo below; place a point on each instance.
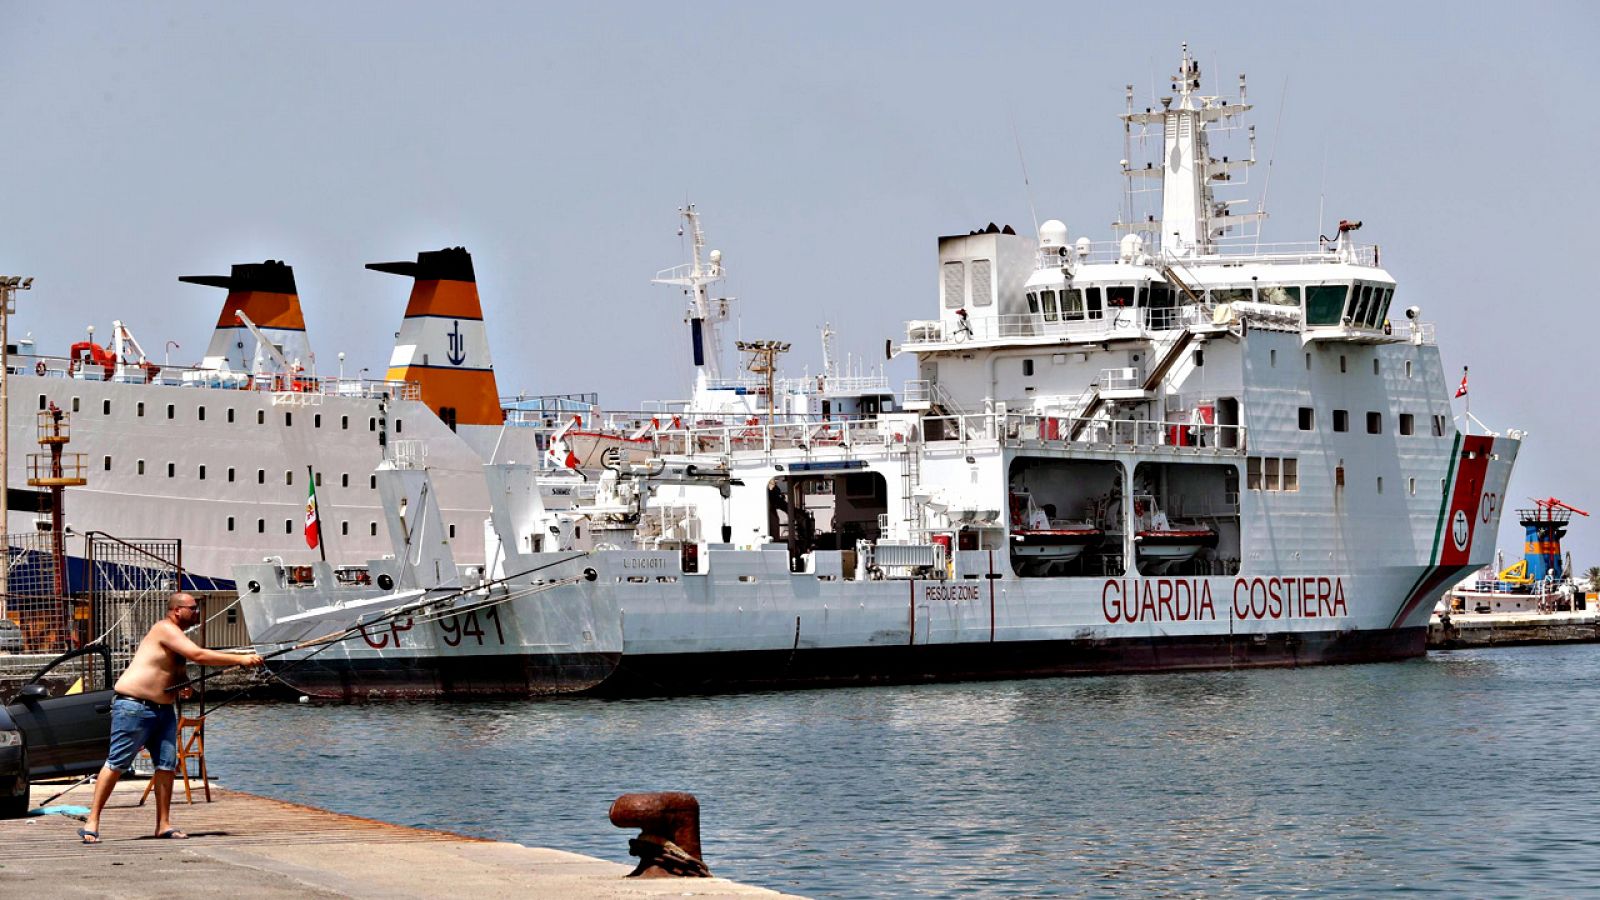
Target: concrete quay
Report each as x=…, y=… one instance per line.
x=1462, y=630
x=252, y=847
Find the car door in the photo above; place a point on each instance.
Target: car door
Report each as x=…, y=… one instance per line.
x=67, y=734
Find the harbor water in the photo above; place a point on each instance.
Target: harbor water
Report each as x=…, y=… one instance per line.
x=1468, y=773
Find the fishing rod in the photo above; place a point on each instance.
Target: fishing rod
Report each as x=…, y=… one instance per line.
x=361, y=624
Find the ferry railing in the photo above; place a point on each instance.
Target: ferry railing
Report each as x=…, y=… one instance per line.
x=191, y=377
x=917, y=391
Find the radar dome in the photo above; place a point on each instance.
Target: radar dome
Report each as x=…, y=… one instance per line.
x=1052, y=235
x=1084, y=247
x=1132, y=247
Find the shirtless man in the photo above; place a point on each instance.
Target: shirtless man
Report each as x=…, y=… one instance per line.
x=142, y=715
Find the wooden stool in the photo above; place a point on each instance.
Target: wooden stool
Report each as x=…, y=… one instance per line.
x=191, y=745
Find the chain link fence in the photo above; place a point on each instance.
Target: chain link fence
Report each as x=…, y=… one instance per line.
x=54, y=601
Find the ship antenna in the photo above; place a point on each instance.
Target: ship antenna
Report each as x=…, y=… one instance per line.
x=1027, y=188
x=1277, y=129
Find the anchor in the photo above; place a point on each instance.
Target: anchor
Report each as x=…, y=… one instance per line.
x=458, y=348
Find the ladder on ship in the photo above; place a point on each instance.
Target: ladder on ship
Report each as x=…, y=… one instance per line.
x=910, y=479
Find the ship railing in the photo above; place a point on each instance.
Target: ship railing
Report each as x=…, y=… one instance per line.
x=758, y=434
x=1033, y=430
x=917, y=391
x=1419, y=333
x=1114, y=323
x=1285, y=253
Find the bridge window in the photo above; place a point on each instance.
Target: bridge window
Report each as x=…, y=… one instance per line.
x=1047, y=305
x=1325, y=303
x=1279, y=294
x=1093, y=303
x=955, y=284
x=1122, y=295
x=1220, y=296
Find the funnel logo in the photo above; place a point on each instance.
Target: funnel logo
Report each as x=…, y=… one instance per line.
x=458, y=346
x=1460, y=529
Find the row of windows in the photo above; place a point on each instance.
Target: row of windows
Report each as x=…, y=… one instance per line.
x=200, y=415
x=1272, y=473
x=289, y=527
x=1341, y=422
x=261, y=474
x=1344, y=363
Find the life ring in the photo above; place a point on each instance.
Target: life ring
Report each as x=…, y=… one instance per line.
x=38, y=368
x=1138, y=507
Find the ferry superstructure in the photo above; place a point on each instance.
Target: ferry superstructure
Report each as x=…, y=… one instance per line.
x=218, y=454
x=1164, y=452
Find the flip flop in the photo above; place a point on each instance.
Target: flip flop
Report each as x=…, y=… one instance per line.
x=89, y=837
x=173, y=834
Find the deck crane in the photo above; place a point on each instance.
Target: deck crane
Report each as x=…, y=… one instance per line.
x=289, y=371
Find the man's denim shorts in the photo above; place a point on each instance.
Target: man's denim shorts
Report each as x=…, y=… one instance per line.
x=135, y=724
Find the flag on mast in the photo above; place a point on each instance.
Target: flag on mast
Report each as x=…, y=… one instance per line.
x=313, y=526
x=1462, y=391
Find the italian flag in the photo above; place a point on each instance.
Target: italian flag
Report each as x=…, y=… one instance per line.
x=313, y=528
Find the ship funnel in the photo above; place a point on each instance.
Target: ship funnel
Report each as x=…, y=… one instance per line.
x=443, y=346
x=266, y=294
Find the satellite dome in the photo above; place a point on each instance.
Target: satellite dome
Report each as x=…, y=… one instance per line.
x=1052, y=234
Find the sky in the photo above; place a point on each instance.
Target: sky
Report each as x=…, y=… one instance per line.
x=826, y=145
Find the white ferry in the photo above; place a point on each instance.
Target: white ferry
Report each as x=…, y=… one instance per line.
x=218, y=454
x=1175, y=450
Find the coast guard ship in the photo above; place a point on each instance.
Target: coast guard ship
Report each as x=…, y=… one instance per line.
x=1178, y=449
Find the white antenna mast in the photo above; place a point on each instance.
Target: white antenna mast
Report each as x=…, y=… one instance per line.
x=1027, y=188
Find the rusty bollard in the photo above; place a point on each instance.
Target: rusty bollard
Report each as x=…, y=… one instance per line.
x=668, y=844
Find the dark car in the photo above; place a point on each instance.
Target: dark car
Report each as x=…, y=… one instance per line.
x=52, y=737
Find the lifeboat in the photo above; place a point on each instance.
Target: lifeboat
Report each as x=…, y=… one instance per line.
x=1161, y=544
x=1040, y=545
